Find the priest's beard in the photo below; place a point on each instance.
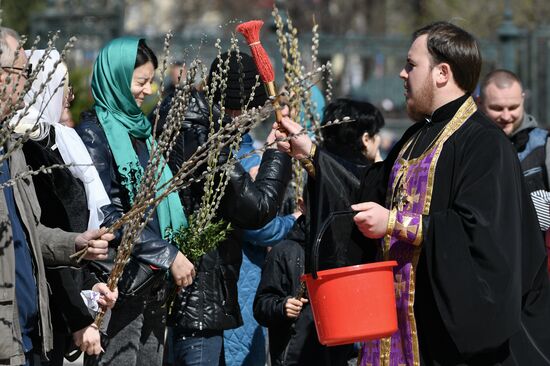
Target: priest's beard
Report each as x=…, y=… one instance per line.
x=419, y=105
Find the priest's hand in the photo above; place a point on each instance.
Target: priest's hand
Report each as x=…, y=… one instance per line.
x=371, y=219
x=298, y=146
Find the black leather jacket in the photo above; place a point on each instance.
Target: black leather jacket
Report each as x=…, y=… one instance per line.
x=150, y=248
x=211, y=302
x=193, y=133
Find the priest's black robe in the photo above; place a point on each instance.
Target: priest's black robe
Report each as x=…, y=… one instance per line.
x=482, y=289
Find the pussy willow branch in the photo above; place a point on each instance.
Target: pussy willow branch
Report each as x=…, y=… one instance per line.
x=180, y=180
x=283, y=44
x=315, y=43
x=301, y=97
x=176, y=114
x=160, y=92
x=9, y=106
x=150, y=194
x=134, y=216
x=135, y=223
x=6, y=132
x=7, y=129
x=218, y=76
x=147, y=201
x=215, y=184
x=41, y=170
x=199, y=158
x=329, y=82
x=167, y=139
x=155, y=164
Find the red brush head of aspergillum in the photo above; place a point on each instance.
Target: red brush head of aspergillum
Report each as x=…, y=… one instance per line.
x=251, y=32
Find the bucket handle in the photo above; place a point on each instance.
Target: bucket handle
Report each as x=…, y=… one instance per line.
x=324, y=226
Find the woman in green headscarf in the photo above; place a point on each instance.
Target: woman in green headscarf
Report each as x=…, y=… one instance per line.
x=118, y=136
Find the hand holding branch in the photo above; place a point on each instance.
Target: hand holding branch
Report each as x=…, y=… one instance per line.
x=88, y=340
x=107, y=297
x=182, y=270
x=291, y=139
x=92, y=244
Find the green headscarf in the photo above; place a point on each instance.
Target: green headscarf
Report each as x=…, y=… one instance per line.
x=121, y=117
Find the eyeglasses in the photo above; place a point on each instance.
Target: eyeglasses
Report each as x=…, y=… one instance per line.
x=26, y=72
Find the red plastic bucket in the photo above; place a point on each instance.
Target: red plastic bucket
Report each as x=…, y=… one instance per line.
x=353, y=304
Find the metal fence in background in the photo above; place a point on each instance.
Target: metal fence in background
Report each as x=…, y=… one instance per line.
x=366, y=67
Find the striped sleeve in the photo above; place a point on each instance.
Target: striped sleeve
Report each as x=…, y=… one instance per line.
x=541, y=201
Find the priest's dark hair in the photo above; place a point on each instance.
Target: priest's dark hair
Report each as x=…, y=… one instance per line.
x=453, y=45
x=144, y=55
x=345, y=140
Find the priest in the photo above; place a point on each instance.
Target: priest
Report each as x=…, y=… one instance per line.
x=449, y=205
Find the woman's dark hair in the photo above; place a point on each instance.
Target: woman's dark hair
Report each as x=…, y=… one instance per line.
x=144, y=55
x=345, y=140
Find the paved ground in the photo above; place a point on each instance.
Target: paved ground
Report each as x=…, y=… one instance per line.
x=80, y=361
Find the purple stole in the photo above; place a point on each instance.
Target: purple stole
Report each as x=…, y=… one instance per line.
x=409, y=196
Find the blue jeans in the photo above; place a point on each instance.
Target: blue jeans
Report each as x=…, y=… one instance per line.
x=198, y=348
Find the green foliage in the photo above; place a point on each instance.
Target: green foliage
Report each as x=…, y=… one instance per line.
x=80, y=80
x=16, y=13
x=195, y=241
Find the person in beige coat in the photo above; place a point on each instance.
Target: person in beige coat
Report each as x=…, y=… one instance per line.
x=25, y=244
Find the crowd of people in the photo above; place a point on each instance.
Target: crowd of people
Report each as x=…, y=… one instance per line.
x=461, y=202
